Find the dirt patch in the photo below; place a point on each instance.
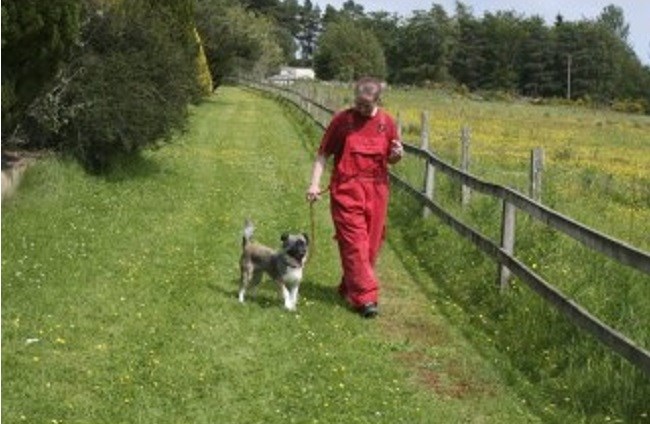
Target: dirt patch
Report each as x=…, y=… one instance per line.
x=427, y=350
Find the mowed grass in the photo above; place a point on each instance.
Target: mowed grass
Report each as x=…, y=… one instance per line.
x=119, y=298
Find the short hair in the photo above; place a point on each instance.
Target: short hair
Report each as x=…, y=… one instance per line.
x=368, y=86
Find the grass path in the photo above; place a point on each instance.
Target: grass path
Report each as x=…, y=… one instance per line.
x=119, y=298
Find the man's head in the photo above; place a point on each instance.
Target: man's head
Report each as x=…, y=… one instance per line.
x=366, y=95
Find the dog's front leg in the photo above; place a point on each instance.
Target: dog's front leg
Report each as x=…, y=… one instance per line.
x=286, y=295
x=293, y=294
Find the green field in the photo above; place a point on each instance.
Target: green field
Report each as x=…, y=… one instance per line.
x=119, y=298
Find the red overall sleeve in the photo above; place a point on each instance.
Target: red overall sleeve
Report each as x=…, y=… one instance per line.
x=391, y=129
x=334, y=137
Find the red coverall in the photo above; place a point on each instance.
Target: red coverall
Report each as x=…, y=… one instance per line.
x=359, y=196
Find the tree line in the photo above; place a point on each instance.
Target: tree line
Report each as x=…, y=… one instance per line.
x=101, y=79
x=503, y=51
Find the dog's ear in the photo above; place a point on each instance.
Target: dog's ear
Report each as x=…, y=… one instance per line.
x=306, y=237
x=284, y=237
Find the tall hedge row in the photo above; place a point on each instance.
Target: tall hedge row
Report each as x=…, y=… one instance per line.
x=122, y=84
x=36, y=36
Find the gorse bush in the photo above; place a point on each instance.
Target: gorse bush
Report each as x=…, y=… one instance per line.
x=125, y=88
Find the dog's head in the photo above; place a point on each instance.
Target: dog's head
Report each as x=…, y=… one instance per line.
x=295, y=245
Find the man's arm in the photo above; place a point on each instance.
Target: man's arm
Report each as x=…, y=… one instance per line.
x=313, y=192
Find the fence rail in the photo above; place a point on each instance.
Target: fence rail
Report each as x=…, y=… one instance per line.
x=618, y=250
x=595, y=240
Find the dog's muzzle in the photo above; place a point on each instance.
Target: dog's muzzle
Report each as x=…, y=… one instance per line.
x=298, y=251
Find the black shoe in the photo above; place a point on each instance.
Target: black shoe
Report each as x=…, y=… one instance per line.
x=369, y=310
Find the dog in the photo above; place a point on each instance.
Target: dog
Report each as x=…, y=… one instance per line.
x=285, y=265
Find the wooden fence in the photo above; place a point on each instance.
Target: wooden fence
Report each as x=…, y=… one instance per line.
x=503, y=252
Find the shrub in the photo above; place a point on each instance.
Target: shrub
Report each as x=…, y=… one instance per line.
x=236, y=40
x=126, y=88
x=630, y=106
x=203, y=70
x=36, y=35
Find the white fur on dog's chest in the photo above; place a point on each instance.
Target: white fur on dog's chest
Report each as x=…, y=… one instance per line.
x=292, y=275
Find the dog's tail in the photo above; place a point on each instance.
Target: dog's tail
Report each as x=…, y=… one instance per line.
x=249, y=229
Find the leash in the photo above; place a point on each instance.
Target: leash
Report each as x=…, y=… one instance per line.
x=313, y=232
x=312, y=221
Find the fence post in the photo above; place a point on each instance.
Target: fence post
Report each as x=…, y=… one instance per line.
x=429, y=169
x=464, y=162
x=536, y=169
x=507, y=239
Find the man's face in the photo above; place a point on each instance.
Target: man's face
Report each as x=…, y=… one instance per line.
x=365, y=105
x=366, y=98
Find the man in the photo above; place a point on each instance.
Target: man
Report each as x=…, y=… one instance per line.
x=363, y=141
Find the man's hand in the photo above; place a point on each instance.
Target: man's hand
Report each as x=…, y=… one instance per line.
x=396, y=151
x=313, y=193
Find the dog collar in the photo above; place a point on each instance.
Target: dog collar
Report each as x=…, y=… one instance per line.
x=289, y=263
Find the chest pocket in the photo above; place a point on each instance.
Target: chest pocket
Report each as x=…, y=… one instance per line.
x=368, y=155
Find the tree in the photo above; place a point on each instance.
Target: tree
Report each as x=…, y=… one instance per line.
x=309, y=19
x=504, y=33
x=594, y=53
x=387, y=29
x=468, y=61
x=265, y=7
x=237, y=40
x=125, y=87
x=287, y=28
x=352, y=10
x=613, y=18
x=349, y=10
x=36, y=37
x=346, y=52
x=536, y=59
x=426, y=44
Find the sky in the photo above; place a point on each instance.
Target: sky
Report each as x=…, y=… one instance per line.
x=636, y=12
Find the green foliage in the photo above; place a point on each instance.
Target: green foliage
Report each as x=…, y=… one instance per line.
x=536, y=76
x=613, y=18
x=310, y=24
x=505, y=36
x=126, y=88
x=499, y=51
x=35, y=38
x=630, y=106
x=468, y=60
x=236, y=40
x=204, y=76
x=426, y=44
x=346, y=52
